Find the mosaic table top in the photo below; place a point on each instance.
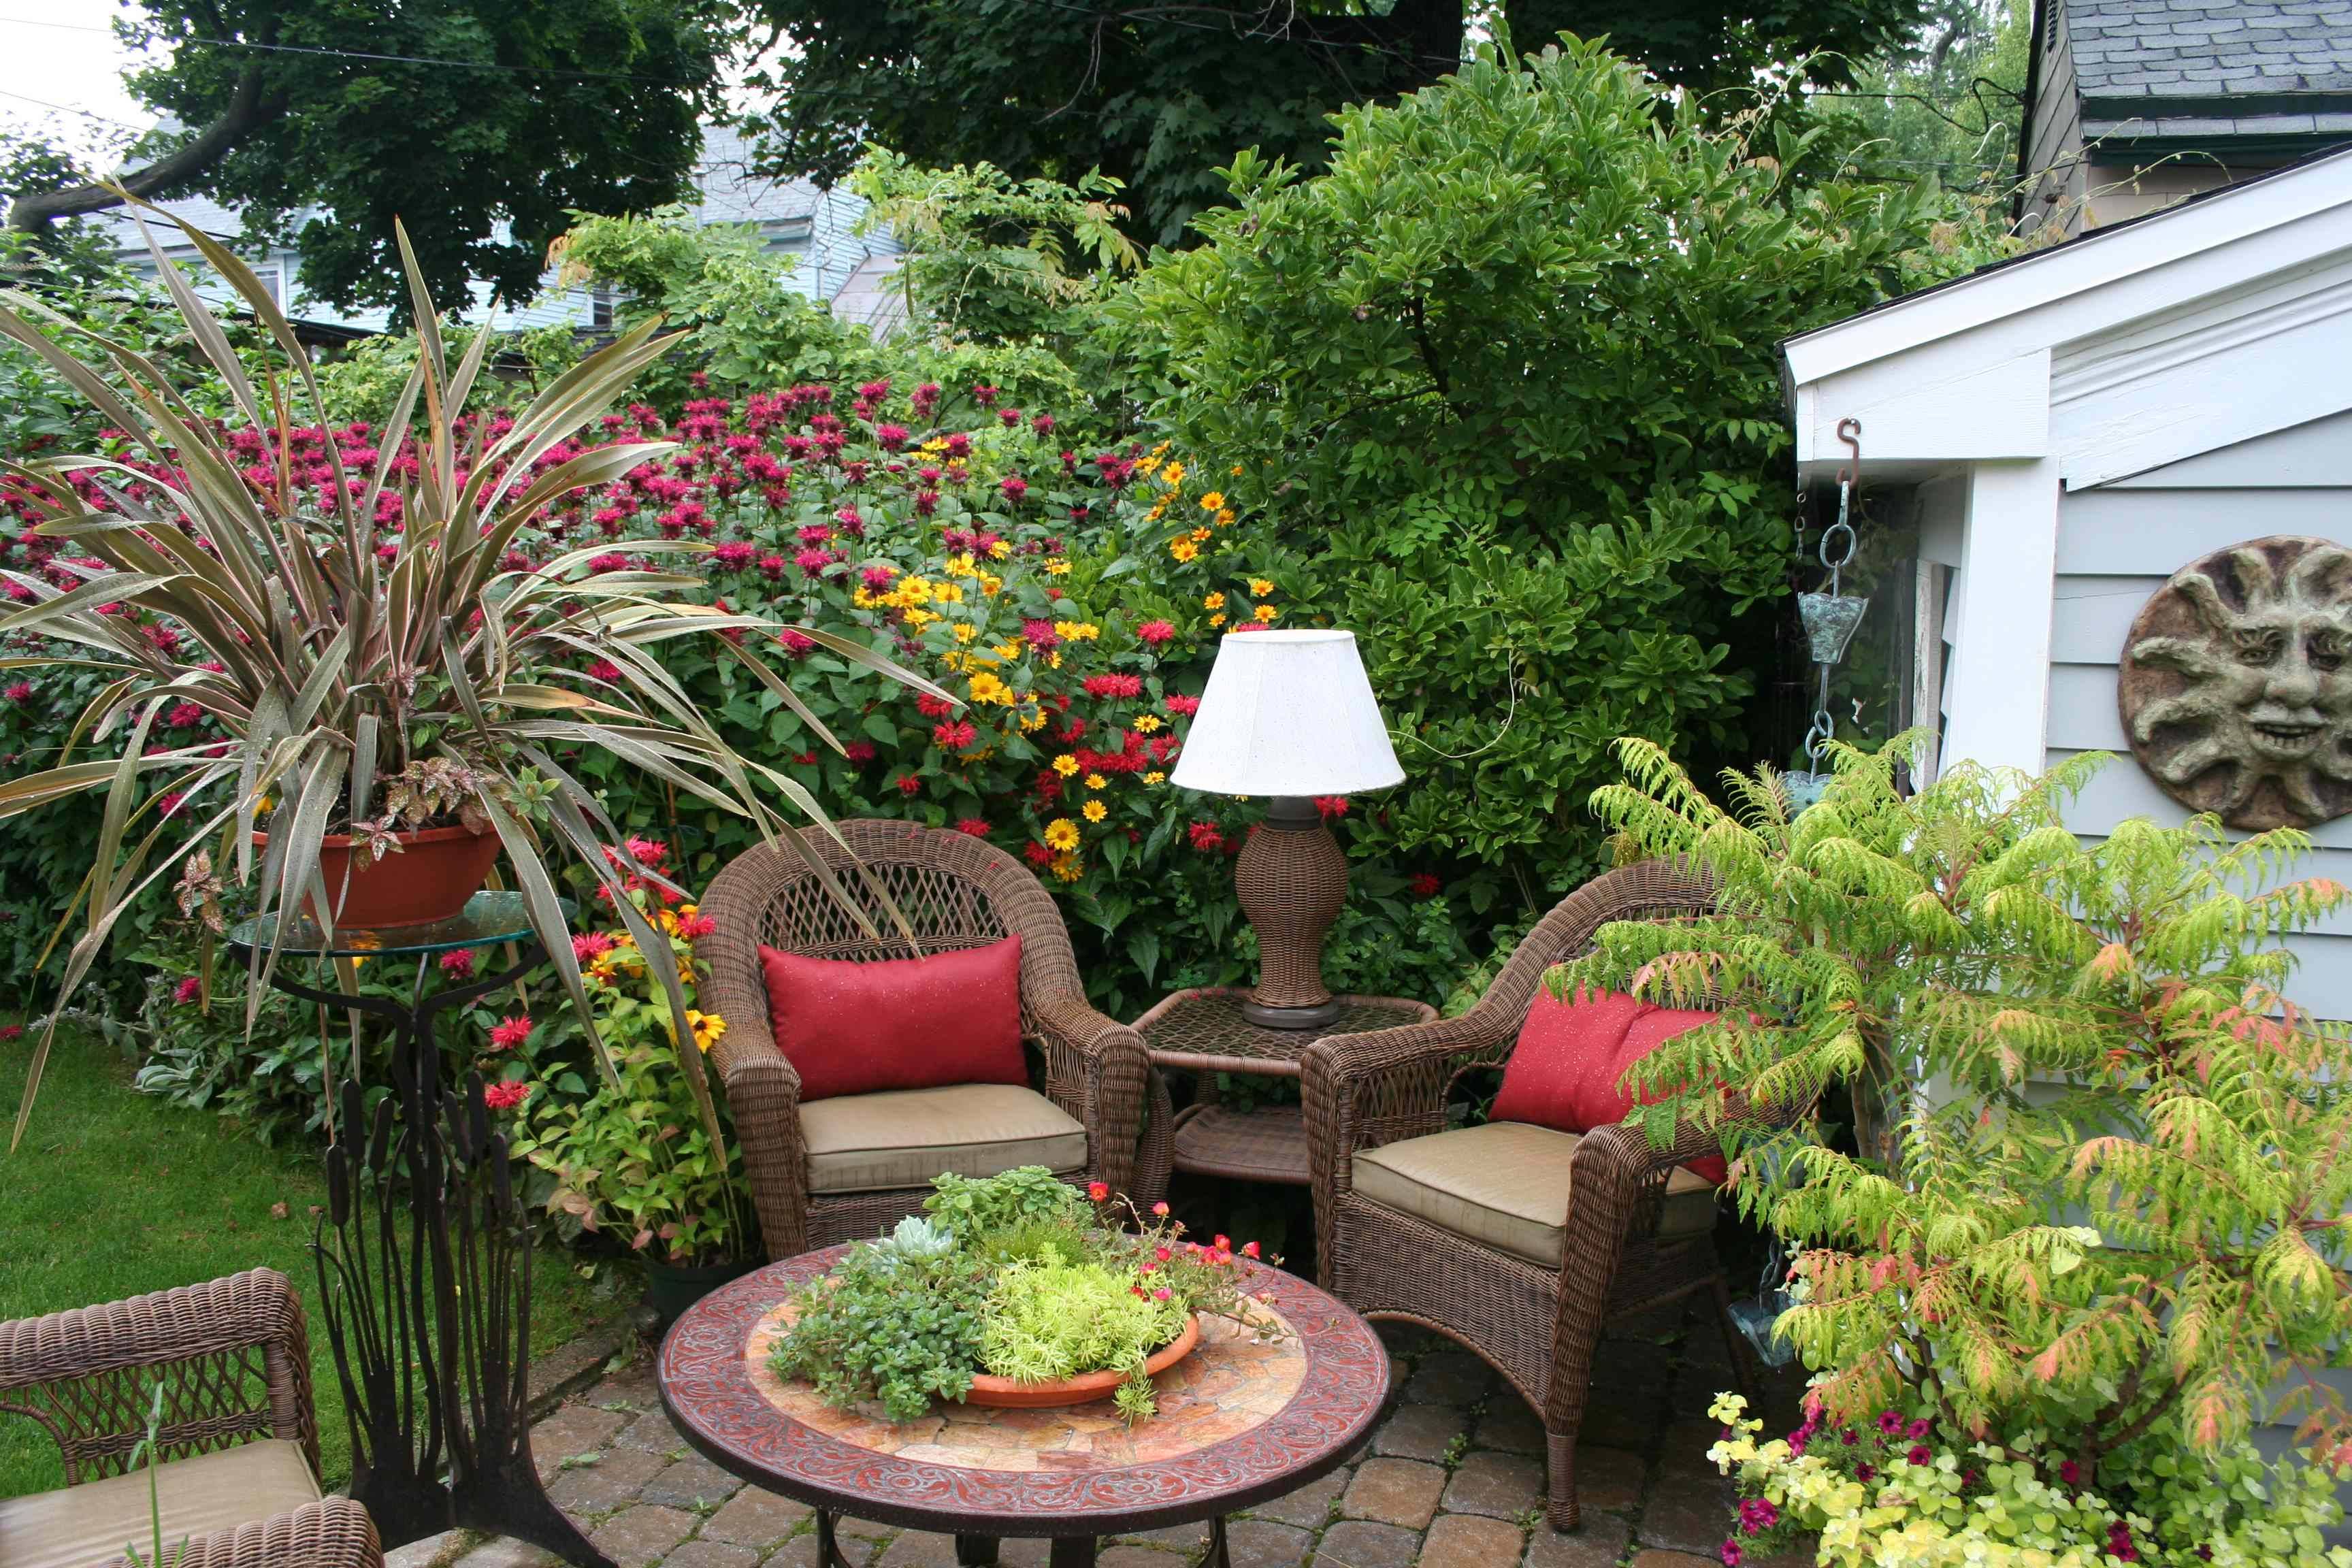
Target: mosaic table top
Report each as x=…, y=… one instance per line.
x=1241, y=1419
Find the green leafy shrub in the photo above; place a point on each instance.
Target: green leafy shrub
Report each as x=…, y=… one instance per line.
x=2103, y=1157
x=884, y=1326
x=1505, y=379
x=971, y=1206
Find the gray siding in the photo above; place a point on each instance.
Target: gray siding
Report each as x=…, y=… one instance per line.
x=2117, y=545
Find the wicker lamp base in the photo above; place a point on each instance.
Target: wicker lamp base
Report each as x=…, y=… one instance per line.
x=1292, y=878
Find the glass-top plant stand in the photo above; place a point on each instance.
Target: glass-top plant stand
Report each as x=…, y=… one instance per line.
x=425, y=1251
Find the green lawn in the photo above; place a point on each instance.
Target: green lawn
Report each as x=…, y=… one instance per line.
x=115, y=1193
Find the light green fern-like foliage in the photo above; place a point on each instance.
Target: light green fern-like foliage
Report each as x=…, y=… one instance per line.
x=2102, y=1174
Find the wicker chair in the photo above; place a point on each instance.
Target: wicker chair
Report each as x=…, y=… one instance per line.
x=1636, y=1232
x=239, y=1439
x=956, y=892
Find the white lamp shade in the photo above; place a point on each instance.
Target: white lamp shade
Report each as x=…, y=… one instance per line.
x=1287, y=712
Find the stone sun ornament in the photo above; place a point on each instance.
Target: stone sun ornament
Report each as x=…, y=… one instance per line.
x=2233, y=683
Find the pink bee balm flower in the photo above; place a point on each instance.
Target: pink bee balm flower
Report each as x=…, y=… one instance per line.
x=797, y=644
x=592, y=946
x=1013, y=486
x=505, y=1096
x=877, y=576
x=189, y=988
x=509, y=1032
x=1113, y=685
x=604, y=669
x=20, y=693
x=1183, y=706
x=1155, y=632
x=890, y=437
x=457, y=963
x=813, y=560
x=974, y=825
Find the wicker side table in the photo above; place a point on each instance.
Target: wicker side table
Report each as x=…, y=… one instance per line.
x=1203, y=1031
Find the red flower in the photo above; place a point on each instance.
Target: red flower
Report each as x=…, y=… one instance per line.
x=1183, y=706
x=1919, y=1453
x=932, y=707
x=954, y=737
x=1098, y=1192
x=604, y=669
x=184, y=715
x=976, y=826
x=1331, y=806
x=1155, y=632
x=457, y=963
x=1036, y=854
x=1041, y=635
x=909, y=785
x=890, y=437
x=509, y=1032
x=1014, y=487
x=22, y=692
x=584, y=947
x=858, y=753
x=505, y=1096
x=1249, y=1249
x=1206, y=837
x=12, y=1031
x=1114, y=685
x=189, y=988
x=1425, y=886
x=985, y=395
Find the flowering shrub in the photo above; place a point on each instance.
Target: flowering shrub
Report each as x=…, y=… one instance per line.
x=1900, y=1492
x=639, y=1159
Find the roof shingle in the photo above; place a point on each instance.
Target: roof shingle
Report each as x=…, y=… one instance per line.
x=2124, y=49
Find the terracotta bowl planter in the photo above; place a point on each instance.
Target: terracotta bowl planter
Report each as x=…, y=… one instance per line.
x=428, y=882
x=1005, y=1393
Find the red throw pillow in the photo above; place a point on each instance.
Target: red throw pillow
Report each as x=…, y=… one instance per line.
x=1564, y=1071
x=897, y=1023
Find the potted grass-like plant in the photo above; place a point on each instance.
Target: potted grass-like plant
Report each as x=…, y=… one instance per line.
x=400, y=691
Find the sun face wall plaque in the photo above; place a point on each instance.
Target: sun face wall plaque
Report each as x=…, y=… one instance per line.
x=2233, y=683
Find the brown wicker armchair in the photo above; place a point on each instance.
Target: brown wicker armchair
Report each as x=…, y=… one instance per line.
x=1518, y=1241
x=810, y=1178
x=240, y=1440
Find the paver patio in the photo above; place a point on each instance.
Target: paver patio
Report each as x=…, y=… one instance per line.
x=1453, y=1479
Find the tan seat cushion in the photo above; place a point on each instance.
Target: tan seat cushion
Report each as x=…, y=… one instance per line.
x=1506, y=1184
x=91, y=1523
x=904, y=1137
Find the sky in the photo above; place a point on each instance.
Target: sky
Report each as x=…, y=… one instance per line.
x=60, y=75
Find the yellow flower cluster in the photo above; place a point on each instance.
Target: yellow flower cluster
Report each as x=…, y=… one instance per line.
x=991, y=689
x=1076, y=631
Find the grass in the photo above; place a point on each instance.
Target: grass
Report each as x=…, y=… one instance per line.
x=116, y=1193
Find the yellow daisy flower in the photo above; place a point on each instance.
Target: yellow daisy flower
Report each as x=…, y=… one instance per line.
x=1216, y=620
x=1213, y=500
x=1182, y=549
x=1146, y=722
x=1213, y=601
x=1094, y=811
x=1155, y=776
x=1260, y=587
x=1061, y=834
x=1266, y=614
x=1065, y=764
x=1096, y=781
x=1068, y=868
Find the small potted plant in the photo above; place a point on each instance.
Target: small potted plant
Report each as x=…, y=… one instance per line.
x=1015, y=1290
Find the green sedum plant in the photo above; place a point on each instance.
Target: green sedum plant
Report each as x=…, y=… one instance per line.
x=2102, y=1174
x=1053, y=1318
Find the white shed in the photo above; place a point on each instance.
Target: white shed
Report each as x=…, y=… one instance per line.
x=2079, y=425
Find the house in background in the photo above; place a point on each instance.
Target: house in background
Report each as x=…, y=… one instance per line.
x=2132, y=104
x=2069, y=433
x=817, y=228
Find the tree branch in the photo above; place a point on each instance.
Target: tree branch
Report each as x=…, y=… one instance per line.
x=36, y=210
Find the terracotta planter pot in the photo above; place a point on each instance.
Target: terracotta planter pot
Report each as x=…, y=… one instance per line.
x=429, y=881
x=1002, y=1393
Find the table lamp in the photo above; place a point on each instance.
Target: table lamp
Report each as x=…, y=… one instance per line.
x=1289, y=714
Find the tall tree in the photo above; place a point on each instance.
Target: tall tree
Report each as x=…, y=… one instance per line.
x=1159, y=93
x=480, y=123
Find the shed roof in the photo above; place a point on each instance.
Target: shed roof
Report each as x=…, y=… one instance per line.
x=2198, y=71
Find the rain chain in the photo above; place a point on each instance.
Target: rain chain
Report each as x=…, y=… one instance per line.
x=1830, y=620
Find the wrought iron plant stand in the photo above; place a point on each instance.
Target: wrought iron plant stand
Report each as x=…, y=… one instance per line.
x=425, y=1257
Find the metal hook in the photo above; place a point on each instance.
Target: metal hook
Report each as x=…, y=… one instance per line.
x=1849, y=430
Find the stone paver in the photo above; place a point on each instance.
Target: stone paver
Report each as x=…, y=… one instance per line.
x=1420, y=1432
x=1598, y=1543
x=754, y=1518
x=1262, y=1543
x=701, y=1553
x=693, y=1483
x=1452, y=1477
x=430, y=1553
x=638, y=1536
x=1394, y=1491
x=1360, y=1544
x=507, y=1553
x=574, y=1430
x=1502, y=1485
x=1468, y=1541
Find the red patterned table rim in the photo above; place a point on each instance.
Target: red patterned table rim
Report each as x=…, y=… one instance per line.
x=707, y=1387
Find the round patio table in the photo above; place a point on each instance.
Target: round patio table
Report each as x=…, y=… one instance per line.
x=1241, y=1421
